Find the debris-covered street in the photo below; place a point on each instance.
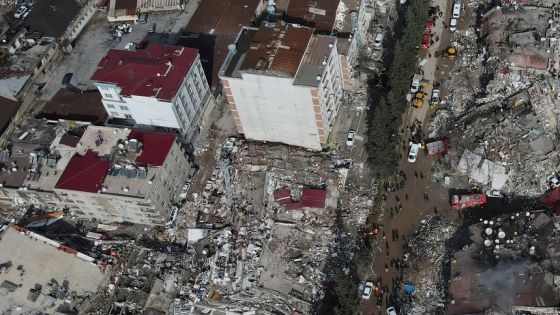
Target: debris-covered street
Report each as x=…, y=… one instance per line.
x=280, y=157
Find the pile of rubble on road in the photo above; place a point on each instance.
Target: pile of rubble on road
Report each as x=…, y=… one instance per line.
x=426, y=255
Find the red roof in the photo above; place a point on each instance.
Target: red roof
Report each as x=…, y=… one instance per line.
x=313, y=198
x=136, y=72
x=155, y=146
x=282, y=196
x=84, y=173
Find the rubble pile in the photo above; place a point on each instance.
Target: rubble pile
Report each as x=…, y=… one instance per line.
x=261, y=231
x=426, y=249
x=507, y=252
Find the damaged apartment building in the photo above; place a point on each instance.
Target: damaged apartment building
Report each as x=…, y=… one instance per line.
x=102, y=173
x=285, y=80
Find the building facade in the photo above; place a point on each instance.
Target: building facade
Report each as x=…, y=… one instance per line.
x=107, y=174
x=283, y=84
x=162, y=86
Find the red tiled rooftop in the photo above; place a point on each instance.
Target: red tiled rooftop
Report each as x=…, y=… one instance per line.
x=155, y=146
x=136, y=72
x=84, y=173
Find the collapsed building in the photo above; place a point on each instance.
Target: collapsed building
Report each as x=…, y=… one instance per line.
x=503, y=100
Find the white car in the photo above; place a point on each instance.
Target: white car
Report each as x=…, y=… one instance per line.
x=391, y=311
x=413, y=152
x=415, y=86
x=453, y=25
x=20, y=12
x=350, y=138
x=403, y=1
x=553, y=181
x=367, y=290
x=493, y=193
x=378, y=40
x=456, y=10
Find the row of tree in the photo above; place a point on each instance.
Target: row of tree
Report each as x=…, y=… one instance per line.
x=388, y=101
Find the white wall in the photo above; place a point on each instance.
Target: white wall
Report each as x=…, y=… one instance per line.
x=331, y=90
x=144, y=110
x=272, y=109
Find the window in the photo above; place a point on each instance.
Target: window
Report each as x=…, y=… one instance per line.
x=108, y=95
x=110, y=106
x=115, y=114
x=127, y=116
x=124, y=107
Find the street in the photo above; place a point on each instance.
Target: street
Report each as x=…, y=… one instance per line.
x=410, y=194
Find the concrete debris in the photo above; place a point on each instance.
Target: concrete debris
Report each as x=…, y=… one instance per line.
x=426, y=250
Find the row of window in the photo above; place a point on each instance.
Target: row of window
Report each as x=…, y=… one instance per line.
x=123, y=107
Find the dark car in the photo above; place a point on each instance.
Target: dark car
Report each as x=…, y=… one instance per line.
x=67, y=77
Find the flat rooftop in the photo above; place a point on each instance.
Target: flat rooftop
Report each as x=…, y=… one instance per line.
x=40, y=263
x=116, y=161
x=276, y=50
x=318, y=14
x=317, y=53
x=222, y=19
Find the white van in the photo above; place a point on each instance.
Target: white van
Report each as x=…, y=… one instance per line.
x=456, y=10
x=453, y=25
x=413, y=152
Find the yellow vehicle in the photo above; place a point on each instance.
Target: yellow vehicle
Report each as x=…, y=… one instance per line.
x=418, y=99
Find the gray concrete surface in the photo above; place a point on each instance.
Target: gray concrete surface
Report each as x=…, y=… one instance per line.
x=96, y=40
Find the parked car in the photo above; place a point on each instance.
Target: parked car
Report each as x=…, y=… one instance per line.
x=456, y=10
x=402, y=1
x=20, y=12
x=493, y=193
x=416, y=79
x=391, y=311
x=152, y=28
x=378, y=40
x=413, y=152
x=453, y=25
x=434, y=100
x=425, y=41
x=367, y=290
x=553, y=181
x=350, y=138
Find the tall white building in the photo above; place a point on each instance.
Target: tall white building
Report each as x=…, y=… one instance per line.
x=161, y=85
x=283, y=84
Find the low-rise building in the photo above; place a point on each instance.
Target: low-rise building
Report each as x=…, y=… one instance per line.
x=161, y=85
x=107, y=174
x=283, y=84
x=41, y=276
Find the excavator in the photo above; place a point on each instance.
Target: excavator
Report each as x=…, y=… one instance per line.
x=449, y=52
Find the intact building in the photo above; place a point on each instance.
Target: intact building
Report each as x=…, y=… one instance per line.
x=107, y=174
x=283, y=84
x=161, y=86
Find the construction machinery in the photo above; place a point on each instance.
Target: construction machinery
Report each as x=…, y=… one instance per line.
x=418, y=99
x=449, y=52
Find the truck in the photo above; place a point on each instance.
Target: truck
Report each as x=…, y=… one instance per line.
x=464, y=201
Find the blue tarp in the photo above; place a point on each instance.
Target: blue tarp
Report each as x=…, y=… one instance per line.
x=409, y=288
